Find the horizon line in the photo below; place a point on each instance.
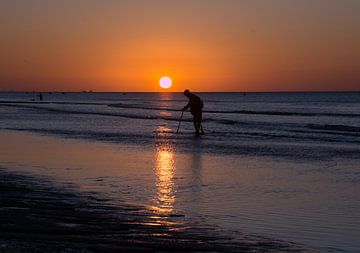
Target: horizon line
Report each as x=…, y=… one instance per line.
x=93, y=91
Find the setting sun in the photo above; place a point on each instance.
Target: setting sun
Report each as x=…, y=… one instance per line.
x=165, y=82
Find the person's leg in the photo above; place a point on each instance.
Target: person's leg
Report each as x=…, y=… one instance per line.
x=196, y=125
x=201, y=128
x=197, y=121
x=200, y=122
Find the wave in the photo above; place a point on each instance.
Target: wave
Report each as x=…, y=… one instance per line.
x=291, y=129
x=54, y=110
x=117, y=114
x=253, y=144
x=152, y=108
x=49, y=102
x=273, y=113
x=342, y=128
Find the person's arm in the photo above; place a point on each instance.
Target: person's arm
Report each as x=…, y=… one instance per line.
x=186, y=106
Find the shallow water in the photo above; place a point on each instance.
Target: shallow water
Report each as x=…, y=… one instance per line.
x=318, y=125
x=278, y=165
x=310, y=203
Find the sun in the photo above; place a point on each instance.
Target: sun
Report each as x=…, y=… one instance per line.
x=165, y=82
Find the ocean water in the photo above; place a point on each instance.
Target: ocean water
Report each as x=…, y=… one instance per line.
x=285, y=124
x=280, y=165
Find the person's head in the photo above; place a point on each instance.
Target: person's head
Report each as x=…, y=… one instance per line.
x=187, y=93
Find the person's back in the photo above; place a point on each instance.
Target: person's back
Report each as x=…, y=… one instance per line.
x=195, y=103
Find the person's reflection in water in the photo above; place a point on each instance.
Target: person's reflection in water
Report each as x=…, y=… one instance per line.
x=196, y=173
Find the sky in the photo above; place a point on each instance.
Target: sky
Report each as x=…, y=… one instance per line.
x=203, y=45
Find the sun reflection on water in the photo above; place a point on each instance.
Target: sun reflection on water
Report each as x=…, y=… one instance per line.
x=164, y=172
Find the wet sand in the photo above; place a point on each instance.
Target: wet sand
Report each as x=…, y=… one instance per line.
x=37, y=216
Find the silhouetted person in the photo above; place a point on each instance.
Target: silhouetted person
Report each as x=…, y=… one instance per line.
x=196, y=105
x=40, y=97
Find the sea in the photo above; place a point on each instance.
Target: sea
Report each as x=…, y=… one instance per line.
x=278, y=165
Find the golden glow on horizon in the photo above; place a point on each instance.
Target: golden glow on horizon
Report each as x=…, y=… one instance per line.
x=227, y=46
x=165, y=82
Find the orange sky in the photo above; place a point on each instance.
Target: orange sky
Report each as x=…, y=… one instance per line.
x=204, y=45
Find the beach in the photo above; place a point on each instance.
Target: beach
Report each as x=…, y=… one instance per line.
x=261, y=179
x=40, y=215
x=180, y=126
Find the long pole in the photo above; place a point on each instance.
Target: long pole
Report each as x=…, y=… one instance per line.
x=177, y=131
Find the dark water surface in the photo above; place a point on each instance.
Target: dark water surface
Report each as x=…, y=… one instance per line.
x=312, y=124
x=281, y=165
